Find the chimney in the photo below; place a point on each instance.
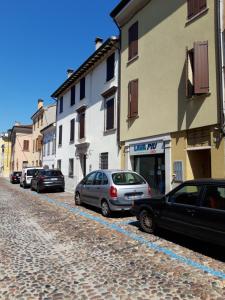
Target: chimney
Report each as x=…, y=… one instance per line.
x=40, y=103
x=69, y=72
x=98, y=43
x=17, y=123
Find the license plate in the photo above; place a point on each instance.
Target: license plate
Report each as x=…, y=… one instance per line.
x=130, y=197
x=54, y=179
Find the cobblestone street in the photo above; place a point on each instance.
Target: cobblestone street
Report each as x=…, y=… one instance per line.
x=51, y=250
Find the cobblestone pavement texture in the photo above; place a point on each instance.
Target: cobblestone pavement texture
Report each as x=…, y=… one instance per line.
x=47, y=252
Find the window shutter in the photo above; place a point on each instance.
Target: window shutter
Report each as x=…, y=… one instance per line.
x=201, y=68
x=133, y=97
x=133, y=41
x=72, y=96
x=110, y=67
x=110, y=114
x=82, y=88
x=82, y=124
x=39, y=143
x=72, y=123
x=202, y=4
x=190, y=4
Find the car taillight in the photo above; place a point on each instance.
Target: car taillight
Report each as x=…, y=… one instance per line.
x=149, y=191
x=113, y=192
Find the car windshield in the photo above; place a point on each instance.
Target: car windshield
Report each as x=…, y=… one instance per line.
x=31, y=172
x=127, y=178
x=17, y=173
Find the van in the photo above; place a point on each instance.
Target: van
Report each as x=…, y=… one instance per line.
x=27, y=175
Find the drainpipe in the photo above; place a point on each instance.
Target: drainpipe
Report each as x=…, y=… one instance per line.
x=56, y=100
x=221, y=63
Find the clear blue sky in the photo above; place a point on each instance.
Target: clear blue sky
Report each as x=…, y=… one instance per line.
x=39, y=41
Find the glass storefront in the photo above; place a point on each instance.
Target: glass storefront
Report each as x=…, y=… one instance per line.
x=152, y=168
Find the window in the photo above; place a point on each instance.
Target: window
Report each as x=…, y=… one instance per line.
x=53, y=145
x=110, y=114
x=133, y=99
x=178, y=170
x=82, y=88
x=33, y=146
x=133, y=41
x=82, y=125
x=61, y=105
x=41, y=119
x=98, y=178
x=188, y=195
x=71, y=167
x=90, y=178
x=127, y=178
x=25, y=165
x=72, y=95
x=38, y=120
x=110, y=63
x=48, y=151
x=72, y=130
x=195, y=7
x=25, y=145
x=214, y=197
x=103, y=163
x=59, y=164
x=60, y=135
x=197, y=70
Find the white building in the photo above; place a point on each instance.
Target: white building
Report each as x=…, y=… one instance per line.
x=49, y=146
x=86, y=126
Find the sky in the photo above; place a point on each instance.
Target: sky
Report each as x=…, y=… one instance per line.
x=39, y=41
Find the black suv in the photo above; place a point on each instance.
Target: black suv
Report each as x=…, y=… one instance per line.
x=195, y=208
x=47, y=179
x=15, y=177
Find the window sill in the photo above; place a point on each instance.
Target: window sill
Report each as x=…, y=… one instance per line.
x=109, y=131
x=129, y=119
x=197, y=96
x=109, y=80
x=71, y=142
x=133, y=59
x=203, y=12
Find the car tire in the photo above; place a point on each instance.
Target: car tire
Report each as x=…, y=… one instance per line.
x=77, y=199
x=24, y=185
x=106, y=212
x=147, y=222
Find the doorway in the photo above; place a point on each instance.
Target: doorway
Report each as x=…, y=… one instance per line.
x=200, y=163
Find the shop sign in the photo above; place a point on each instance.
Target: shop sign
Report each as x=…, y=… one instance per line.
x=147, y=148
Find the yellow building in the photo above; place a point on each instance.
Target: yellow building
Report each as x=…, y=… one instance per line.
x=171, y=111
x=5, y=150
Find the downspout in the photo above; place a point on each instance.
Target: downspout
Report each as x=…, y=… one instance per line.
x=119, y=86
x=55, y=99
x=221, y=63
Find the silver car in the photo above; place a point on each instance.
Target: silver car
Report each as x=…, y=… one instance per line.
x=111, y=190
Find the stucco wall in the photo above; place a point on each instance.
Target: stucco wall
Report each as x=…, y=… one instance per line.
x=94, y=125
x=160, y=68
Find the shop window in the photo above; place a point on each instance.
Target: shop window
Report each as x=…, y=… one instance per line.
x=197, y=70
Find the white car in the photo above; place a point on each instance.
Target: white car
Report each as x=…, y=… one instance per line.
x=27, y=175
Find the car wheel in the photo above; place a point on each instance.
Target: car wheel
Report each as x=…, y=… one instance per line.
x=147, y=221
x=24, y=186
x=77, y=199
x=105, y=209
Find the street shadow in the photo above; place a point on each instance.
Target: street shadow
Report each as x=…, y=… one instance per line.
x=114, y=215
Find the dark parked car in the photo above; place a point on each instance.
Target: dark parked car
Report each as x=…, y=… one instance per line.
x=195, y=208
x=15, y=177
x=47, y=179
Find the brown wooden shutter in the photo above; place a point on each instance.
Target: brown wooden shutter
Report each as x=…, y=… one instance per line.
x=82, y=124
x=195, y=7
x=133, y=98
x=133, y=41
x=39, y=147
x=110, y=114
x=201, y=68
x=26, y=145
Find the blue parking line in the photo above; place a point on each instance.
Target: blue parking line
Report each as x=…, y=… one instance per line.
x=137, y=238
